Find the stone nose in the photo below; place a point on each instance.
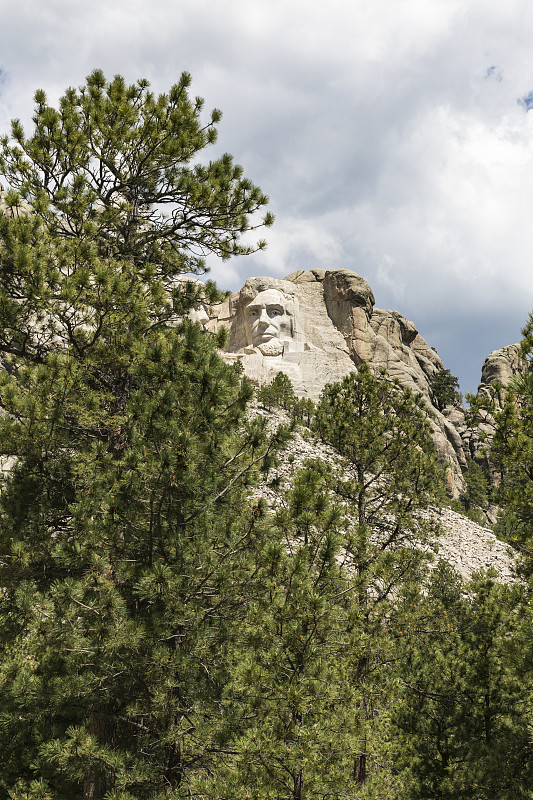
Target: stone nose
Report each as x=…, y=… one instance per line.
x=264, y=319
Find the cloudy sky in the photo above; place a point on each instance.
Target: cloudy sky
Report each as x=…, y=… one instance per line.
x=393, y=137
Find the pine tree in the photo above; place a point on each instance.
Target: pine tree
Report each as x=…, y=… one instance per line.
x=461, y=720
x=444, y=389
x=291, y=692
x=110, y=169
x=303, y=410
x=279, y=392
x=124, y=525
x=392, y=476
x=475, y=498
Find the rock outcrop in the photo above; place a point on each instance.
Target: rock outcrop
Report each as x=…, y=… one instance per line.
x=277, y=325
x=317, y=326
x=499, y=368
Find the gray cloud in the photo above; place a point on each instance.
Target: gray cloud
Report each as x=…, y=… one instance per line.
x=388, y=135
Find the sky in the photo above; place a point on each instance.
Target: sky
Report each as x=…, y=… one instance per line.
x=393, y=137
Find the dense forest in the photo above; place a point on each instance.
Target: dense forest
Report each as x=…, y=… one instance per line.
x=165, y=633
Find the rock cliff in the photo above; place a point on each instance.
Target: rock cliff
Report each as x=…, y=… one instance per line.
x=318, y=325
x=498, y=369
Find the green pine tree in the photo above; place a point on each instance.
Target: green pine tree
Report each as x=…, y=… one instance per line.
x=291, y=693
x=125, y=529
x=461, y=719
x=392, y=476
x=113, y=168
x=475, y=498
x=303, y=410
x=278, y=393
x=444, y=389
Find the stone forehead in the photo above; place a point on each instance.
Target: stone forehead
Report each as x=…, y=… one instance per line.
x=269, y=296
x=253, y=286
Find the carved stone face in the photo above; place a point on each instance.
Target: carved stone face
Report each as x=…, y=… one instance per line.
x=269, y=322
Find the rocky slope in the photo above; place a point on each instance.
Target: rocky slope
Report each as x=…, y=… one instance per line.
x=464, y=544
x=317, y=326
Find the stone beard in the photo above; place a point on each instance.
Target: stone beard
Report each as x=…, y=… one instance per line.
x=269, y=322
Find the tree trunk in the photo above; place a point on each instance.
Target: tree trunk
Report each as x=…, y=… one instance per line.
x=359, y=769
x=96, y=785
x=100, y=778
x=299, y=786
x=173, y=765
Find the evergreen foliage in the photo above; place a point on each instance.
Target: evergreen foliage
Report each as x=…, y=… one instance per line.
x=163, y=635
x=293, y=687
x=303, y=411
x=114, y=168
x=279, y=392
x=476, y=494
x=382, y=430
x=444, y=389
x=462, y=718
x=475, y=498
x=392, y=475
x=121, y=575
x=124, y=523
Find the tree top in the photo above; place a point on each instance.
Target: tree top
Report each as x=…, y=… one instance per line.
x=116, y=165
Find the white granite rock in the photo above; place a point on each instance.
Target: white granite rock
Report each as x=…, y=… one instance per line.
x=317, y=326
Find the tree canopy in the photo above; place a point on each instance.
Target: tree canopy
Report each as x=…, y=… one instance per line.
x=444, y=389
x=124, y=521
x=115, y=167
x=392, y=475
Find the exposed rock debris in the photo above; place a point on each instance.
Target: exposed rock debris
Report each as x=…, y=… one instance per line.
x=464, y=544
